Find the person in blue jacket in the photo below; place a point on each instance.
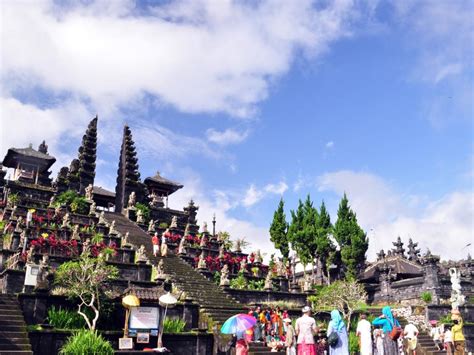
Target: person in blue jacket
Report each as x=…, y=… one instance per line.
x=387, y=321
x=337, y=325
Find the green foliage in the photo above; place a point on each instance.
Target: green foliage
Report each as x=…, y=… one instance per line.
x=279, y=230
x=7, y=240
x=426, y=297
x=347, y=296
x=86, y=279
x=353, y=343
x=239, y=283
x=163, y=225
x=257, y=285
x=97, y=238
x=65, y=319
x=145, y=210
x=173, y=326
x=351, y=238
x=77, y=203
x=225, y=238
x=13, y=199
x=86, y=342
x=446, y=319
x=297, y=234
x=2, y=225
x=216, y=277
x=324, y=246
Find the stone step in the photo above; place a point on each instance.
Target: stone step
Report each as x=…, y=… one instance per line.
x=13, y=334
x=16, y=352
x=12, y=346
x=21, y=340
x=13, y=327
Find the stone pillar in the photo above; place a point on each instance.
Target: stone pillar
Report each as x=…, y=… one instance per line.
x=385, y=283
x=143, y=271
x=431, y=280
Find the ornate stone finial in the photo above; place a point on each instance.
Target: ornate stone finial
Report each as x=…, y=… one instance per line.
x=191, y=210
x=238, y=245
x=202, y=262
x=413, y=251
x=87, y=156
x=141, y=254
x=399, y=250
x=174, y=223
x=182, y=245
x=268, y=282
x=224, y=276
x=65, y=221
x=204, y=228
x=381, y=255
x=124, y=241
x=112, y=229
x=258, y=257
x=89, y=192
x=75, y=233
x=132, y=200
x=92, y=209
x=43, y=147
x=151, y=226
x=102, y=220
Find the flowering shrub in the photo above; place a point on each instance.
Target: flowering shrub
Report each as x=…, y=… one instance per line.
x=49, y=243
x=193, y=240
x=172, y=237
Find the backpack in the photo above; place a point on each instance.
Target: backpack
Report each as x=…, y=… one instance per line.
x=333, y=339
x=396, y=331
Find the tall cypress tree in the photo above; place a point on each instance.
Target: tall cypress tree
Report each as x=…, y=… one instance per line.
x=279, y=230
x=324, y=245
x=310, y=221
x=351, y=238
x=298, y=236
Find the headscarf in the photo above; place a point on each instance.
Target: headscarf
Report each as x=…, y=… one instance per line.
x=336, y=320
x=387, y=312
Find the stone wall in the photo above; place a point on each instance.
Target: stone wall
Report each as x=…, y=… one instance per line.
x=250, y=297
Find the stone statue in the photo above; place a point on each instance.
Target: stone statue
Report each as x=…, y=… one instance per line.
x=307, y=285
x=268, y=282
x=89, y=192
x=160, y=269
x=86, y=247
x=155, y=199
x=151, y=226
x=140, y=218
x=221, y=251
x=42, y=282
x=174, y=223
x=30, y=255
x=224, y=276
x=57, y=211
x=281, y=269
x=164, y=245
x=132, y=200
x=75, y=233
x=124, y=241
x=204, y=228
x=112, y=229
x=102, y=220
x=141, y=255
x=243, y=265
x=51, y=201
x=19, y=222
x=65, y=221
x=457, y=298
x=182, y=245
x=238, y=245
x=92, y=209
x=258, y=257
x=202, y=262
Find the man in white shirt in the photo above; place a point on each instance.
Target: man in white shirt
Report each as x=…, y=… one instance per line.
x=411, y=335
x=364, y=334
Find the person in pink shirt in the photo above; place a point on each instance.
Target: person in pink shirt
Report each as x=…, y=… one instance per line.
x=305, y=329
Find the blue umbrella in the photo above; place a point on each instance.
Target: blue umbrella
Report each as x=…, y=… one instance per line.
x=238, y=323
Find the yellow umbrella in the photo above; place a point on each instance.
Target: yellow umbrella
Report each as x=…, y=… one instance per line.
x=128, y=302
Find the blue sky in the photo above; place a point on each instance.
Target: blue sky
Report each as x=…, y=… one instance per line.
x=247, y=102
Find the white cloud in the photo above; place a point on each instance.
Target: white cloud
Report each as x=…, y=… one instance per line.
x=445, y=225
x=329, y=144
x=196, y=56
x=226, y=137
x=253, y=195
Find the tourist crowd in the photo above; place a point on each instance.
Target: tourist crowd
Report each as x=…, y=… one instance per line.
x=382, y=336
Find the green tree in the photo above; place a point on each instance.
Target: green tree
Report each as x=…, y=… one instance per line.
x=298, y=236
x=279, y=230
x=310, y=221
x=85, y=279
x=324, y=245
x=351, y=238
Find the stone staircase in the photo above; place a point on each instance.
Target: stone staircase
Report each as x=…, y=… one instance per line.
x=214, y=303
x=13, y=335
x=426, y=345
x=261, y=349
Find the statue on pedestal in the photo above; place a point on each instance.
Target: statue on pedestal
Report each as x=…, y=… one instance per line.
x=151, y=226
x=258, y=257
x=221, y=251
x=89, y=192
x=75, y=233
x=102, y=220
x=307, y=285
x=65, y=221
x=140, y=218
x=86, y=247
x=141, y=254
x=243, y=265
x=155, y=199
x=174, y=223
x=92, y=209
x=160, y=269
x=202, y=262
x=124, y=241
x=281, y=269
x=132, y=200
x=19, y=222
x=43, y=272
x=457, y=298
x=268, y=282
x=30, y=255
x=112, y=229
x=224, y=276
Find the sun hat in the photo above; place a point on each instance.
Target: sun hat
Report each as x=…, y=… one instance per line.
x=287, y=320
x=306, y=309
